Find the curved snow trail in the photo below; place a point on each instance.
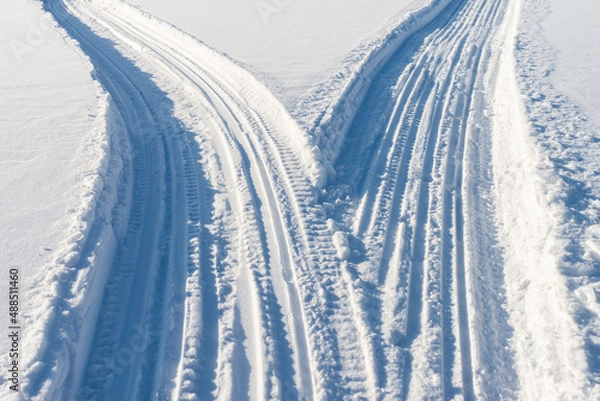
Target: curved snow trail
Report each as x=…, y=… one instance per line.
x=228, y=269
x=131, y=320
x=422, y=145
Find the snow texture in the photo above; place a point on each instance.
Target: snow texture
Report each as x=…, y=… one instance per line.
x=416, y=220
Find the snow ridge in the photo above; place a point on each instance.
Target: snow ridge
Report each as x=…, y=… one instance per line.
x=565, y=148
x=82, y=265
x=337, y=101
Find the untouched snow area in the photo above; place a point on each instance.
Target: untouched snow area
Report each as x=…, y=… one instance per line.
x=54, y=159
x=301, y=200
x=291, y=44
x=572, y=30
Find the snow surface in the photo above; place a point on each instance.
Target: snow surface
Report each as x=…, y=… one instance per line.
x=302, y=200
x=291, y=44
x=537, y=295
x=565, y=137
x=54, y=148
x=572, y=29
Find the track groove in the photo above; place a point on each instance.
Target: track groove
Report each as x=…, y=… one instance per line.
x=230, y=276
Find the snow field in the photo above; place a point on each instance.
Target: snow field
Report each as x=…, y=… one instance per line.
x=60, y=135
x=571, y=35
x=423, y=236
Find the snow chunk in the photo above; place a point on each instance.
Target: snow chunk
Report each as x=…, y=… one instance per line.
x=592, y=243
x=340, y=241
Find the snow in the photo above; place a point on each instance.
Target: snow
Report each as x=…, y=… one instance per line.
x=340, y=241
x=46, y=115
x=54, y=154
x=341, y=97
x=572, y=30
x=593, y=242
x=536, y=291
x=564, y=129
x=291, y=44
x=276, y=199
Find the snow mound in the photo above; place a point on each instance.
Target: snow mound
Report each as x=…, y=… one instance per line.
x=592, y=243
x=340, y=241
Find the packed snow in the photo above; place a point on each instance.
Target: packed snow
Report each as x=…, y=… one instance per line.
x=300, y=200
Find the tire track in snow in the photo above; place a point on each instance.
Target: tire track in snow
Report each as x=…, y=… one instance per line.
x=304, y=221
x=245, y=208
x=410, y=215
x=291, y=320
x=314, y=238
x=158, y=217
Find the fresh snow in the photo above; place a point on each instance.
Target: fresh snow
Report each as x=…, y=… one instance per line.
x=302, y=200
x=572, y=30
x=291, y=44
x=566, y=145
x=54, y=158
x=536, y=292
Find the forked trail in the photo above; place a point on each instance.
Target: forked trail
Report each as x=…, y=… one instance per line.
x=228, y=284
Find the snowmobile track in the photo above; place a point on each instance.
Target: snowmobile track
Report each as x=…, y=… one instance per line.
x=229, y=284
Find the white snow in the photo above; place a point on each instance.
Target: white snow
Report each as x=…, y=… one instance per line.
x=291, y=44
x=284, y=199
x=340, y=241
x=549, y=351
x=593, y=242
x=564, y=129
x=54, y=158
x=573, y=31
